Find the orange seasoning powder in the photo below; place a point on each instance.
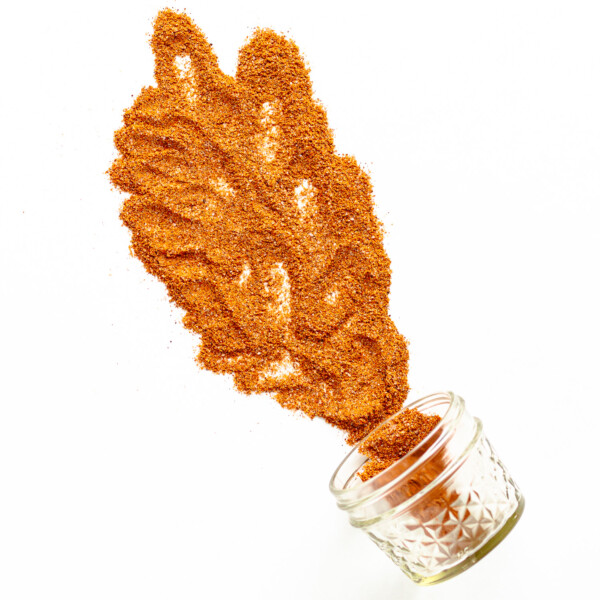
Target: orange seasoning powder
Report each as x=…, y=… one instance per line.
x=264, y=235
x=395, y=439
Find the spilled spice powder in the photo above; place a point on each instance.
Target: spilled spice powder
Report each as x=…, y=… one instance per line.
x=260, y=231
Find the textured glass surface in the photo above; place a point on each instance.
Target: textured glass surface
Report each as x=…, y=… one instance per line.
x=460, y=517
x=440, y=508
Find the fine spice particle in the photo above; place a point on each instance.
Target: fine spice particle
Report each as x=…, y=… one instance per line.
x=264, y=235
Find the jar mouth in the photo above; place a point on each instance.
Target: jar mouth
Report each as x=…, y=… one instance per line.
x=345, y=484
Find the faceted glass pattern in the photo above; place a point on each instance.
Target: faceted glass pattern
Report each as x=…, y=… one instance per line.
x=470, y=510
x=443, y=506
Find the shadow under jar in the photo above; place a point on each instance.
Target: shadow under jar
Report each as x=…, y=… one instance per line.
x=440, y=508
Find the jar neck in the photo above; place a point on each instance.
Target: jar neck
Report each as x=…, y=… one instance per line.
x=425, y=464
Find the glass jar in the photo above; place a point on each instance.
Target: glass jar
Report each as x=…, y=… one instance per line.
x=440, y=508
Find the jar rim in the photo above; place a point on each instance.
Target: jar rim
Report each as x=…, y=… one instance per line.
x=377, y=484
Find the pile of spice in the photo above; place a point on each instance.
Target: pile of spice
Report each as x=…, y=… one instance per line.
x=260, y=231
x=395, y=439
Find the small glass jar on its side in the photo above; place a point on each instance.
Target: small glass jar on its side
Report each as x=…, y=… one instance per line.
x=440, y=508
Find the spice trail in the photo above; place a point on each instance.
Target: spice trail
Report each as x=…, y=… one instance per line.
x=264, y=235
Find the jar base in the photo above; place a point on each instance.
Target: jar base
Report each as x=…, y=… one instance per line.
x=474, y=558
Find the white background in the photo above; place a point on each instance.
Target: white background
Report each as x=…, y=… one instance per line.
x=126, y=472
